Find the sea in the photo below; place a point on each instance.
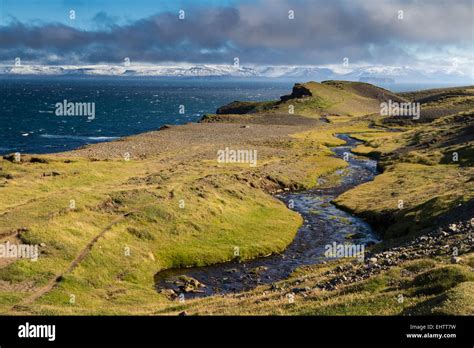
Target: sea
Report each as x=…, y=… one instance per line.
x=29, y=121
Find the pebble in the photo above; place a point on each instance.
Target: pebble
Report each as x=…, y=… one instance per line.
x=373, y=260
x=456, y=259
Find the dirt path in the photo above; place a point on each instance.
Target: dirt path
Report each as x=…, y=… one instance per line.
x=12, y=233
x=203, y=138
x=81, y=256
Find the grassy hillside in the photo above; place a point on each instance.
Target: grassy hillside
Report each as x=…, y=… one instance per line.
x=173, y=205
x=436, y=103
x=133, y=218
x=423, y=286
x=313, y=99
x=427, y=169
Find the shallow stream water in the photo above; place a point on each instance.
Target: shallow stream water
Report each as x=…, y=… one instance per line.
x=324, y=224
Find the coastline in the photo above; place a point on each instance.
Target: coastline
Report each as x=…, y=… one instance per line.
x=171, y=204
x=285, y=163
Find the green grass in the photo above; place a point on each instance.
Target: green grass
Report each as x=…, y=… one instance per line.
x=228, y=207
x=223, y=210
x=457, y=301
x=211, y=224
x=441, y=279
x=409, y=197
x=421, y=182
x=391, y=292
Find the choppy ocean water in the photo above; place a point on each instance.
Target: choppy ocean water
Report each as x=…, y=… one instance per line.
x=123, y=106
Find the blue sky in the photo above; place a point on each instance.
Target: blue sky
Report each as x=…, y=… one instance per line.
x=123, y=11
x=323, y=32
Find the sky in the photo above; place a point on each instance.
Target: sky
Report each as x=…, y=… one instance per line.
x=431, y=33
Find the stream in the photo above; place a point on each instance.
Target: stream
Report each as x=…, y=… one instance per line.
x=324, y=224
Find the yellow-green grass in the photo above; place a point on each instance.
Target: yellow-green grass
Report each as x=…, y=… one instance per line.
x=408, y=197
x=325, y=136
x=421, y=181
x=422, y=286
x=348, y=99
x=205, y=231
x=225, y=206
x=223, y=209
x=339, y=119
x=457, y=301
x=437, y=92
x=340, y=101
x=380, y=143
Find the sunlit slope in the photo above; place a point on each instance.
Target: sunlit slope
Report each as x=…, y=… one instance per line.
x=313, y=99
x=427, y=176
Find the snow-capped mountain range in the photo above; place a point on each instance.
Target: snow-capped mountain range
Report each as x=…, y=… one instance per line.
x=139, y=70
x=399, y=74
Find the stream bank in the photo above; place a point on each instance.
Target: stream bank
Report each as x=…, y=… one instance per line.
x=324, y=224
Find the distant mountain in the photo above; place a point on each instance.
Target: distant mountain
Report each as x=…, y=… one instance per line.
x=143, y=70
x=314, y=73
x=375, y=80
x=404, y=74
x=371, y=74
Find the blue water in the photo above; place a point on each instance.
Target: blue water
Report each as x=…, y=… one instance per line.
x=123, y=106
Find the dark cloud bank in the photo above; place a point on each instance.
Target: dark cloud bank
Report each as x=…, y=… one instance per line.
x=322, y=32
